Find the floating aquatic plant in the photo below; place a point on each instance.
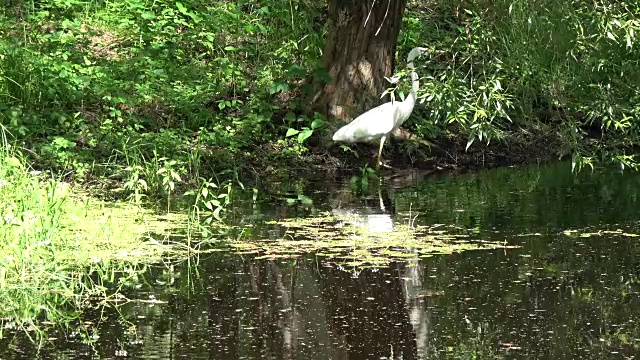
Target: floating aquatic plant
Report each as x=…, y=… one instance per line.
x=350, y=240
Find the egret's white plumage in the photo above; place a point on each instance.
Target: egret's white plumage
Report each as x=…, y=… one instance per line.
x=380, y=121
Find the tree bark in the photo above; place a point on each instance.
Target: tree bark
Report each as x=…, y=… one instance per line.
x=359, y=52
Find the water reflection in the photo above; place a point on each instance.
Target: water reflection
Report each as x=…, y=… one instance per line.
x=527, y=303
x=284, y=310
x=370, y=215
x=556, y=297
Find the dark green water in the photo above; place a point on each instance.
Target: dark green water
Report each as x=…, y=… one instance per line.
x=556, y=297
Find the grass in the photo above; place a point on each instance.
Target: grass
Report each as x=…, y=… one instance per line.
x=59, y=249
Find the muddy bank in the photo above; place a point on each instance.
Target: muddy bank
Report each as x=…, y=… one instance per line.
x=451, y=154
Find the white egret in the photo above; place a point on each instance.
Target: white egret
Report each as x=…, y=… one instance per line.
x=380, y=121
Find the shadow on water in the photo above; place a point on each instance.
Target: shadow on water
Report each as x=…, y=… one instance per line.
x=560, y=295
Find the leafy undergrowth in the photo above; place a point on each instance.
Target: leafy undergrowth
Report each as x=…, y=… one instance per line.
x=141, y=95
x=154, y=97
x=351, y=242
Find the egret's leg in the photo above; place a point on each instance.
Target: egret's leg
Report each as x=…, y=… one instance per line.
x=382, y=139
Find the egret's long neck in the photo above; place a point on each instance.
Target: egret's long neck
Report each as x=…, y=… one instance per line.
x=415, y=84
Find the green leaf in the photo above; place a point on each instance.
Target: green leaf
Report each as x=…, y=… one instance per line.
x=317, y=123
x=181, y=7
x=291, y=132
x=62, y=143
x=296, y=70
x=305, y=199
x=470, y=142
x=278, y=86
x=13, y=162
x=304, y=135
x=364, y=182
x=148, y=15
x=290, y=116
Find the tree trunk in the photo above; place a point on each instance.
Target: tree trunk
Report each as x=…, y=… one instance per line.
x=359, y=52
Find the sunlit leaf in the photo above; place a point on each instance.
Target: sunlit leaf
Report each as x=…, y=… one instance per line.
x=469, y=143
x=13, y=162
x=304, y=135
x=305, y=199
x=317, y=123
x=148, y=15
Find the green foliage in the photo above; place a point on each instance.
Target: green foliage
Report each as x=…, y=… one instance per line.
x=360, y=183
x=147, y=92
x=568, y=65
x=307, y=130
x=211, y=199
x=158, y=95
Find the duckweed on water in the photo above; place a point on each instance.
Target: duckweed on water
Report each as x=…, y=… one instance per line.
x=327, y=236
x=585, y=234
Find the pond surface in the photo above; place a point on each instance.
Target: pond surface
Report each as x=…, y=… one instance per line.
x=569, y=291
